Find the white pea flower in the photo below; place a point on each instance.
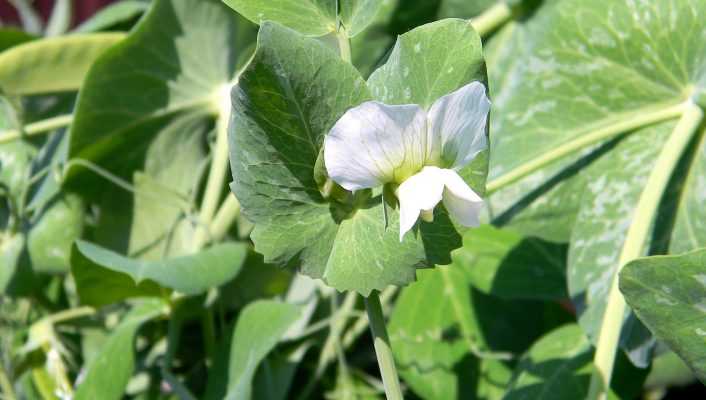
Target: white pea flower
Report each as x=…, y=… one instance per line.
x=420, y=152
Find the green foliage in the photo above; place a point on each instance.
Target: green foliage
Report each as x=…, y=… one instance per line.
x=667, y=294
x=132, y=267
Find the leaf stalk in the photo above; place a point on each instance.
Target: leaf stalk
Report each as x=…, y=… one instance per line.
x=383, y=350
x=637, y=234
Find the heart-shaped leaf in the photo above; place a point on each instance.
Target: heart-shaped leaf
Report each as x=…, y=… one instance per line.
x=276, y=141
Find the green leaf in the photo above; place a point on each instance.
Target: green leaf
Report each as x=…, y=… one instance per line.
x=260, y=326
x=558, y=366
x=310, y=17
x=615, y=69
x=437, y=350
x=110, y=370
x=52, y=65
x=49, y=240
x=104, y=277
x=276, y=186
x=112, y=15
x=667, y=293
x=506, y=264
x=179, y=60
x=10, y=37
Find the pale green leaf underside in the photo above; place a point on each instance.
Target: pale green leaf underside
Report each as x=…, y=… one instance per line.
x=668, y=293
x=103, y=276
x=580, y=67
x=310, y=17
x=52, y=65
x=286, y=101
x=178, y=60
x=260, y=326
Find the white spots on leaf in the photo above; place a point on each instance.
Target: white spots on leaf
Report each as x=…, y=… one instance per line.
x=663, y=300
x=601, y=37
x=666, y=289
x=700, y=332
x=450, y=70
x=407, y=93
x=701, y=306
x=405, y=72
x=536, y=108
x=701, y=278
x=417, y=47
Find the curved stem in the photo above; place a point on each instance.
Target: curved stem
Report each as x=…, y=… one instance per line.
x=491, y=19
x=642, y=118
x=383, y=350
x=36, y=128
x=216, y=174
x=226, y=215
x=637, y=234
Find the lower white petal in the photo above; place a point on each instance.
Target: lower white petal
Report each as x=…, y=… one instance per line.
x=462, y=203
x=422, y=191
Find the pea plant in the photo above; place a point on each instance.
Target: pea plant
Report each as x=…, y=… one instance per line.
x=354, y=199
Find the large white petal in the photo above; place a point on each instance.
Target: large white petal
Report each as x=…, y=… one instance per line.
x=420, y=192
x=462, y=203
x=457, y=122
x=375, y=143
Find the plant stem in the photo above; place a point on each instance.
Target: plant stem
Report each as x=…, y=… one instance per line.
x=226, y=215
x=641, y=119
x=217, y=172
x=73, y=313
x=8, y=392
x=637, y=234
x=36, y=128
x=491, y=18
x=383, y=350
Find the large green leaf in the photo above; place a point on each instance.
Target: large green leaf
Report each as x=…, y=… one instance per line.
x=104, y=277
x=439, y=349
x=558, y=366
x=50, y=238
x=310, y=17
x=260, y=326
x=506, y=264
x=286, y=101
x=52, y=65
x=110, y=370
x=180, y=59
x=584, y=73
x=668, y=293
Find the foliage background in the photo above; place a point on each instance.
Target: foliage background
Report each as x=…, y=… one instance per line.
x=111, y=288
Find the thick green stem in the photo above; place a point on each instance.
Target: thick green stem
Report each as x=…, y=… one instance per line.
x=37, y=128
x=216, y=174
x=637, y=234
x=73, y=313
x=640, y=119
x=383, y=350
x=491, y=19
x=226, y=215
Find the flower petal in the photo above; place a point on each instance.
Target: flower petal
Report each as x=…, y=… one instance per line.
x=457, y=122
x=421, y=191
x=375, y=143
x=462, y=203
